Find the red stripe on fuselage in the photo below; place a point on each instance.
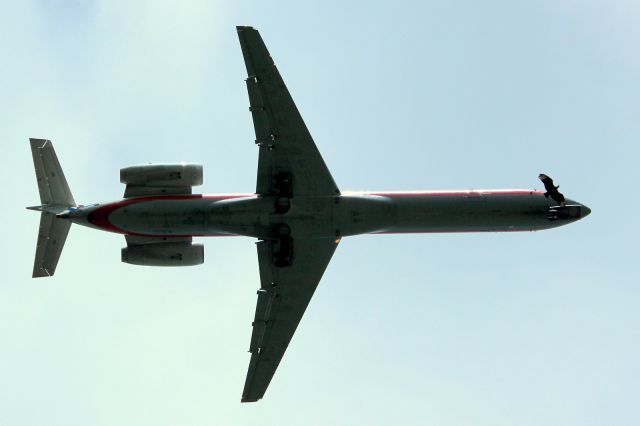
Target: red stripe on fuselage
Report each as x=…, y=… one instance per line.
x=456, y=231
x=470, y=193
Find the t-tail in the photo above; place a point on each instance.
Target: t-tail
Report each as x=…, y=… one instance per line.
x=55, y=198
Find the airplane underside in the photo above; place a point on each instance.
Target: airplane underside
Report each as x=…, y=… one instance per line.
x=328, y=217
x=297, y=213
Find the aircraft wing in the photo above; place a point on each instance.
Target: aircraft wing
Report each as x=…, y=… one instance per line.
x=282, y=299
x=287, y=150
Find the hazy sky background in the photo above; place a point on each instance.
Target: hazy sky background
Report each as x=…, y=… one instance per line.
x=488, y=329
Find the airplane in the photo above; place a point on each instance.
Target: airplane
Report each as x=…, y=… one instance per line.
x=297, y=213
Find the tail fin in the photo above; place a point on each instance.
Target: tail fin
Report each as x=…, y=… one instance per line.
x=55, y=197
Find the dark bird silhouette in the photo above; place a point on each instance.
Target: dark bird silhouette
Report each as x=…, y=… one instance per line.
x=552, y=191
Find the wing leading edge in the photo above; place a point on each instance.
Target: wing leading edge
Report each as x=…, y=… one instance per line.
x=282, y=300
x=286, y=146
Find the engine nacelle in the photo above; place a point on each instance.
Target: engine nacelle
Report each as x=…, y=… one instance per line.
x=164, y=254
x=162, y=175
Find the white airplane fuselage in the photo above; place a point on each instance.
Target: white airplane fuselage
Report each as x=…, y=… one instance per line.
x=327, y=216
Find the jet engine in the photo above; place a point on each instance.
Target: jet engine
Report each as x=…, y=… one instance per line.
x=164, y=254
x=162, y=175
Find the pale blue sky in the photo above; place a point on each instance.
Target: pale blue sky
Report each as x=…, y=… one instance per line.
x=495, y=329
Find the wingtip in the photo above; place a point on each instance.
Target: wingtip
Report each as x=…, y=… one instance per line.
x=38, y=143
x=41, y=273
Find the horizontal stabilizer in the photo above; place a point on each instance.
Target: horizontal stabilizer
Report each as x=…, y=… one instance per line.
x=55, y=198
x=52, y=184
x=51, y=237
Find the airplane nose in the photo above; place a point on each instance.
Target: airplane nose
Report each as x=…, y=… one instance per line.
x=584, y=211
